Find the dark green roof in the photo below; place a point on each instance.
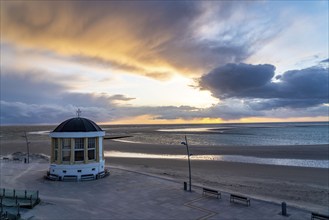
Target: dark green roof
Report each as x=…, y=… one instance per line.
x=77, y=125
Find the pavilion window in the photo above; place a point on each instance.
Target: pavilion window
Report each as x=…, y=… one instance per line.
x=91, y=148
x=79, y=149
x=66, y=149
x=56, y=149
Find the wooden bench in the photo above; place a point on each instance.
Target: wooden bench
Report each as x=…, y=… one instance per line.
x=233, y=198
x=211, y=192
x=319, y=216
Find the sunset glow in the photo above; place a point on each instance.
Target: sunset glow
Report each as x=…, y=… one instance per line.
x=161, y=62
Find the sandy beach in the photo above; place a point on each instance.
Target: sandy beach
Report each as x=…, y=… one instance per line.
x=297, y=186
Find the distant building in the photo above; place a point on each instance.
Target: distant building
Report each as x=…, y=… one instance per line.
x=77, y=151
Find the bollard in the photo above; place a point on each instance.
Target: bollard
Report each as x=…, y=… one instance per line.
x=18, y=213
x=284, y=209
x=185, y=186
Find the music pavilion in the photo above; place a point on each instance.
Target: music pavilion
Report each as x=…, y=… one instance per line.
x=77, y=151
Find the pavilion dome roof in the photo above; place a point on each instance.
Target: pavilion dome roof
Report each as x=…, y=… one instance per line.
x=77, y=124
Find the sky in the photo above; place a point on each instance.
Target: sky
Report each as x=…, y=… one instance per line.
x=162, y=62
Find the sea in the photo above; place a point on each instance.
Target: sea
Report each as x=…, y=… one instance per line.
x=234, y=134
x=265, y=134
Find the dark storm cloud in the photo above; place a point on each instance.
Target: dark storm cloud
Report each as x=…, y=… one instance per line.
x=35, y=97
x=24, y=113
x=237, y=80
x=295, y=89
x=29, y=87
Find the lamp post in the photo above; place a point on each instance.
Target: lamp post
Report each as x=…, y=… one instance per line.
x=189, y=163
x=27, y=146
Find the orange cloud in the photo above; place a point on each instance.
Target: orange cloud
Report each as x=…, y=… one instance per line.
x=154, y=39
x=150, y=119
x=108, y=31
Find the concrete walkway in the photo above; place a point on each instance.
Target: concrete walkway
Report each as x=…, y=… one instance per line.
x=129, y=195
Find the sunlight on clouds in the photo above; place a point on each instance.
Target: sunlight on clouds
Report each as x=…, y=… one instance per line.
x=176, y=92
x=150, y=119
x=111, y=37
x=85, y=78
x=142, y=62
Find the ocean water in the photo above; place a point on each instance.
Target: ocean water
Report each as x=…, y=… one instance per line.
x=265, y=134
x=253, y=134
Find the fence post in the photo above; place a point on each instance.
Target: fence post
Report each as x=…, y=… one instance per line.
x=25, y=193
x=31, y=201
x=4, y=192
x=14, y=193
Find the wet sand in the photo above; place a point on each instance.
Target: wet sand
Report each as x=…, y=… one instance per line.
x=298, y=186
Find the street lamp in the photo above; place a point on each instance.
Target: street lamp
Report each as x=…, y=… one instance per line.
x=189, y=163
x=27, y=146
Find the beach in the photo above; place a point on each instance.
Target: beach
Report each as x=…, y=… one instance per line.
x=303, y=187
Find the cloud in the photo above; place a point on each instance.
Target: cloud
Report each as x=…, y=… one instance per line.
x=40, y=97
x=257, y=85
x=153, y=38
x=236, y=80
x=31, y=86
x=50, y=49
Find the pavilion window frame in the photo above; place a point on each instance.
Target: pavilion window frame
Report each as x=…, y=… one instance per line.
x=92, y=149
x=66, y=150
x=56, y=147
x=79, y=146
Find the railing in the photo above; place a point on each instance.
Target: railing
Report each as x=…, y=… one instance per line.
x=22, y=198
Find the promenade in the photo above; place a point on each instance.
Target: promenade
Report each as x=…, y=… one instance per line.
x=130, y=195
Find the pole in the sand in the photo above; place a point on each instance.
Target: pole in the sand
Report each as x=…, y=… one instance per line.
x=189, y=163
x=27, y=146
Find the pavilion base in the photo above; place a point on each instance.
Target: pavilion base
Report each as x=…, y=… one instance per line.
x=77, y=172
x=75, y=178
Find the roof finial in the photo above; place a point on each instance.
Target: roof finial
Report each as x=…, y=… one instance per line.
x=78, y=113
